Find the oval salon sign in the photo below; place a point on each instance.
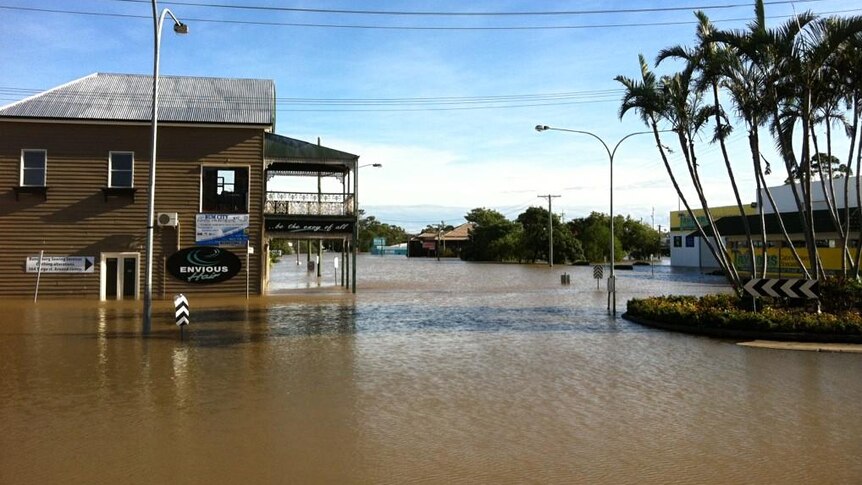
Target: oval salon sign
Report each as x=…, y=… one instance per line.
x=203, y=265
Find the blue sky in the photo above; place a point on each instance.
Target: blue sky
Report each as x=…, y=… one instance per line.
x=447, y=103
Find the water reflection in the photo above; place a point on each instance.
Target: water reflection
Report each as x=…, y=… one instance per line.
x=445, y=372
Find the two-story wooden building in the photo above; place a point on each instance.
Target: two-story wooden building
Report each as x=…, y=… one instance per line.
x=74, y=168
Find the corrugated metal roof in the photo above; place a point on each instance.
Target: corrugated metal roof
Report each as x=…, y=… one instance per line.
x=279, y=147
x=128, y=97
x=460, y=233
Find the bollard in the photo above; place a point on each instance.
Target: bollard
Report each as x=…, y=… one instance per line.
x=182, y=312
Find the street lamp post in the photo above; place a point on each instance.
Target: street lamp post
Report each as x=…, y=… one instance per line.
x=356, y=212
x=179, y=28
x=612, y=291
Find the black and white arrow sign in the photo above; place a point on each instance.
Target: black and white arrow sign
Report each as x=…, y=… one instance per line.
x=182, y=310
x=598, y=272
x=783, y=288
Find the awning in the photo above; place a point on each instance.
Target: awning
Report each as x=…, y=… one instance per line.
x=287, y=156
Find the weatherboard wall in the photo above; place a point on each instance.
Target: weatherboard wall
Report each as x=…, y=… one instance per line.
x=75, y=217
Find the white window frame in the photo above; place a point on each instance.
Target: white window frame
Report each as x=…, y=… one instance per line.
x=44, y=169
x=111, y=169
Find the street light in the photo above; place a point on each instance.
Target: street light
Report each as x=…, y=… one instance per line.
x=179, y=28
x=612, y=291
x=356, y=213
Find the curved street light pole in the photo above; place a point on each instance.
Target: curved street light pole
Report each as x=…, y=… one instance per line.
x=612, y=290
x=355, y=241
x=179, y=28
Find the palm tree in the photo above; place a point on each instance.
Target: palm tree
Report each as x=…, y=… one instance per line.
x=849, y=64
x=746, y=76
x=707, y=59
x=688, y=115
x=648, y=98
x=812, y=49
x=758, y=86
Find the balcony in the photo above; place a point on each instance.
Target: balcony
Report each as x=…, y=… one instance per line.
x=308, y=204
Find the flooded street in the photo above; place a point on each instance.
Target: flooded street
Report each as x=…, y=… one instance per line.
x=434, y=372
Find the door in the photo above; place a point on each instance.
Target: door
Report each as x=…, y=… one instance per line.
x=119, y=276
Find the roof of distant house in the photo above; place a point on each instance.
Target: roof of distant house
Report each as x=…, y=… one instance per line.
x=128, y=97
x=460, y=233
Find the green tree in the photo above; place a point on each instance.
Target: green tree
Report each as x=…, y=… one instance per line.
x=534, y=222
x=594, y=234
x=490, y=238
x=639, y=240
x=370, y=228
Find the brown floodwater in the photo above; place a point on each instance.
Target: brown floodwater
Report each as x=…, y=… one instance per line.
x=435, y=372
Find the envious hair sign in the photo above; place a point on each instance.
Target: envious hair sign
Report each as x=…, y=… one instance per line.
x=204, y=265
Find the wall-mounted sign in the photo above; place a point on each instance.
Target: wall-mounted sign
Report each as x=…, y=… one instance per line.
x=61, y=264
x=325, y=227
x=221, y=229
x=203, y=265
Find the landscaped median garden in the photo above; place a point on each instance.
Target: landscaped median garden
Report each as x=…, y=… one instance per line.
x=731, y=316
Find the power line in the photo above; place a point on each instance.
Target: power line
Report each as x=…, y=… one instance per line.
x=406, y=28
x=473, y=14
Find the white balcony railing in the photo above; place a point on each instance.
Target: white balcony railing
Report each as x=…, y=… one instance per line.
x=308, y=204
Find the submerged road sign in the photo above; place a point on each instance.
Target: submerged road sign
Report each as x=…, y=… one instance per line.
x=182, y=310
x=598, y=273
x=783, y=288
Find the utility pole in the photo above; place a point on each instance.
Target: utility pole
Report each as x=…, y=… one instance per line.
x=651, y=262
x=550, y=229
x=439, y=237
x=652, y=226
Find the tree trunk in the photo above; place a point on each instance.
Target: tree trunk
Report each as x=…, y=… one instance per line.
x=721, y=142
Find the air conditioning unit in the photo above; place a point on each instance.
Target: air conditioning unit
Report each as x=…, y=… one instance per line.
x=168, y=219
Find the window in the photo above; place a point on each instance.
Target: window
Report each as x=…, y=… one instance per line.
x=689, y=241
x=33, y=167
x=677, y=241
x=121, y=169
x=224, y=189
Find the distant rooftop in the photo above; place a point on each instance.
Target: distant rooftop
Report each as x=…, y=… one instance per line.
x=128, y=97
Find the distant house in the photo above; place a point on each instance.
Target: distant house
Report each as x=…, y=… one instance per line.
x=448, y=243
x=74, y=174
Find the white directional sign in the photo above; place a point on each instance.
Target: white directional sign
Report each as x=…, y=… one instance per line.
x=183, y=313
x=783, y=288
x=61, y=264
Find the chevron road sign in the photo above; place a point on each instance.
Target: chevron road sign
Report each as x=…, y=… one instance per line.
x=182, y=310
x=598, y=272
x=783, y=288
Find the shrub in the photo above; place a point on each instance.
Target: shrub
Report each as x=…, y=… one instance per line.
x=727, y=311
x=838, y=294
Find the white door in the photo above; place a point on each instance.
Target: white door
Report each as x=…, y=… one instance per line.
x=119, y=276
